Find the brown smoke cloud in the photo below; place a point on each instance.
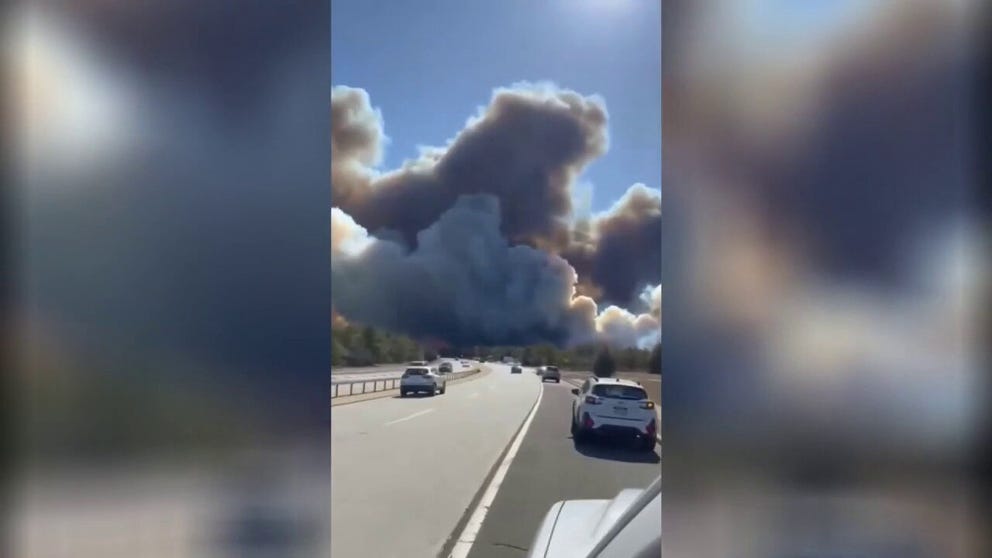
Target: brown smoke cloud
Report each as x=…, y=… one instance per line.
x=525, y=148
x=523, y=151
x=618, y=252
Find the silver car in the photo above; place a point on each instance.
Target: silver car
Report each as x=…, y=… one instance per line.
x=422, y=379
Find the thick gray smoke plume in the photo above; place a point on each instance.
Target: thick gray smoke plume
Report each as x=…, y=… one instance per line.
x=463, y=283
x=521, y=153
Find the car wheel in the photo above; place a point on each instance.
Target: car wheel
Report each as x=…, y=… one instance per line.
x=573, y=430
x=557, y=381
x=444, y=387
x=647, y=444
x=580, y=436
x=402, y=393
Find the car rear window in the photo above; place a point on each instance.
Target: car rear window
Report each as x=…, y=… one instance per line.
x=614, y=391
x=415, y=372
x=551, y=368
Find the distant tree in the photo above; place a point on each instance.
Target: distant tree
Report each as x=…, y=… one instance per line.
x=410, y=350
x=547, y=354
x=398, y=348
x=585, y=355
x=604, y=366
x=372, y=343
x=517, y=353
x=338, y=351
x=528, y=357
x=654, y=362
x=624, y=359
x=385, y=342
x=353, y=339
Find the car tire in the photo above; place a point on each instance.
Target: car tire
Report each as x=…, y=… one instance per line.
x=647, y=444
x=580, y=436
x=557, y=381
x=402, y=393
x=444, y=387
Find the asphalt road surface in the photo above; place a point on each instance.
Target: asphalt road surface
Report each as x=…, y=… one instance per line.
x=404, y=470
x=548, y=468
x=406, y=473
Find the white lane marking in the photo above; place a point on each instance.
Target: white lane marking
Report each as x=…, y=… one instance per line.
x=414, y=415
x=474, y=525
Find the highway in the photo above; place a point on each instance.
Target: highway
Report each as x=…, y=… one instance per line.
x=408, y=474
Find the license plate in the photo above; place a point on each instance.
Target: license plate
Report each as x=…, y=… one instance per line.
x=620, y=410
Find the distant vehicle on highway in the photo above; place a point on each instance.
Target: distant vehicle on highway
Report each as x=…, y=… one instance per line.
x=625, y=526
x=516, y=369
x=613, y=407
x=445, y=368
x=465, y=364
x=422, y=379
x=550, y=373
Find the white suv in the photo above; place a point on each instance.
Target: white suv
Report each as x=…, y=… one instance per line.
x=612, y=406
x=422, y=378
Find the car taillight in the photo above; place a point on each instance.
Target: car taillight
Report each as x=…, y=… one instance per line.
x=587, y=421
x=647, y=405
x=592, y=400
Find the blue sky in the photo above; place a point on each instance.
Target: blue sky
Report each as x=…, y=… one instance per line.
x=429, y=64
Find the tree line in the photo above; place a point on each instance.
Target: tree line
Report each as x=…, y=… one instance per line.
x=357, y=345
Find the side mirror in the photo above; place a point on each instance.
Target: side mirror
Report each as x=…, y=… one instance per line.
x=575, y=391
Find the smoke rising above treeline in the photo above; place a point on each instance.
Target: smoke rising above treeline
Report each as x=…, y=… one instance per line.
x=478, y=242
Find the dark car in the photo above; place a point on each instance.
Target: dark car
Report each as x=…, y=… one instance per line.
x=516, y=369
x=445, y=368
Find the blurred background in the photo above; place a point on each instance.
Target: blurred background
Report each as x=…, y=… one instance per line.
x=825, y=269
x=167, y=300
x=167, y=309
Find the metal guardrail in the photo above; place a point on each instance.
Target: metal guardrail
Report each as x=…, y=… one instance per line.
x=359, y=387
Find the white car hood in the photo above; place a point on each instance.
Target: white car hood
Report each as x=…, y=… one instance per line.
x=572, y=527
